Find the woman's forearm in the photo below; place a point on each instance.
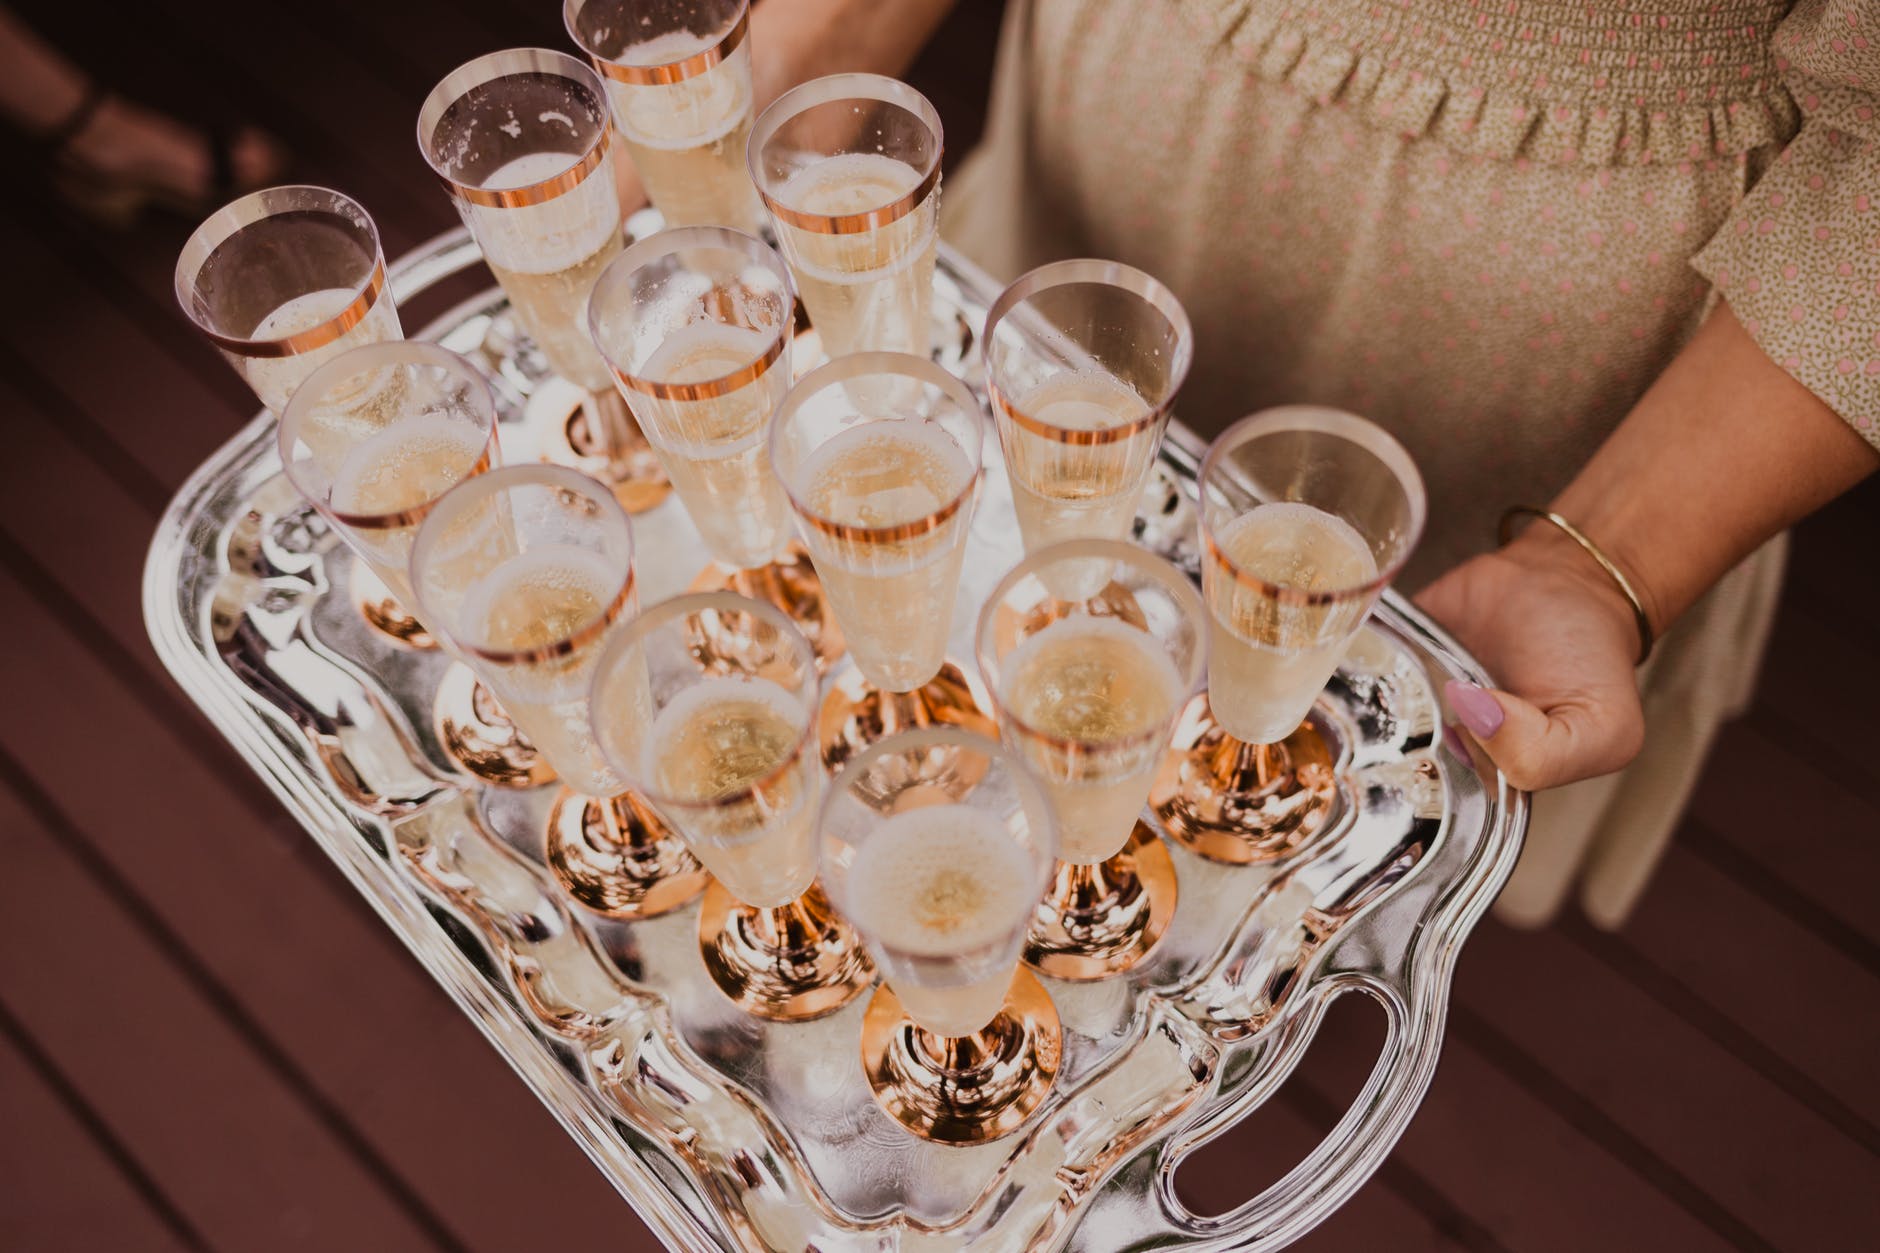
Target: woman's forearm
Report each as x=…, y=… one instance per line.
x=793, y=41
x=1724, y=451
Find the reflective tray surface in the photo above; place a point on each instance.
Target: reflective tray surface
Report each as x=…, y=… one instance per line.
x=726, y=1132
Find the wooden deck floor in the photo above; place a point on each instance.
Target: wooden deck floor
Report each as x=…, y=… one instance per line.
x=207, y=1041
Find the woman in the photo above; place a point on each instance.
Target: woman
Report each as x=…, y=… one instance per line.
x=1618, y=263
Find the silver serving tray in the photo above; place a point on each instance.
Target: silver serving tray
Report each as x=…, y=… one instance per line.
x=725, y=1132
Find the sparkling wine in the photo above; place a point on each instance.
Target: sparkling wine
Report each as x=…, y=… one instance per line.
x=870, y=290
x=717, y=741
x=547, y=257
x=942, y=891
x=713, y=449
x=401, y=468
x=687, y=138
x=275, y=378
x=1100, y=689
x=532, y=601
x=1063, y=490
x=893, y=596
x=1270, y=658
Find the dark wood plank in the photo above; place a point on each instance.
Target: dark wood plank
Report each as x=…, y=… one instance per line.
x=1692, y=1115
x=1831, y=561
x=297, y=953
x=72, y=1187
x=1263, y=1147
x=1534, y=1178
x=166, y=414
x=1397, y=1208
x=362, y=120
x=1759, y=984
x=159, y=1060
x=1814, y=850
x=1804, y=697
x=341, y=123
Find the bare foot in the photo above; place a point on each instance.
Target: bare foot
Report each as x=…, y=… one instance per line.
x=132, y=149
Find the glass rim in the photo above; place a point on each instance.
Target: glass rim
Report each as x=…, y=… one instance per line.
x=1091, y=271
x=508, y=63
x=368, y=356
x=934, y=737
x=473, y=491
x=689, y=66
x=1330, y=421
x=1180, y=586
x=830, y=89
x=658, y=615
x=906, y=365
x=663, y=244
x=257, y=206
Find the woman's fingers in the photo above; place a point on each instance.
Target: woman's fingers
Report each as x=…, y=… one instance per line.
x=1571, y=737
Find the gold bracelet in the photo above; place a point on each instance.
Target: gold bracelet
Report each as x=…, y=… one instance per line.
x=1646, y=636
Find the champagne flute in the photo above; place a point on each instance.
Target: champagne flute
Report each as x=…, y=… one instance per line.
x=879, y=455
x=705, y=705
x=280, y=281
x=522, y=142
x=1087, y=691
x=960, y=1044
x=526, y=573
x=849, y=168
x=678, y=74
x=1307, y=514
x=696, y=325
x=373, y=439
x=1083, y=360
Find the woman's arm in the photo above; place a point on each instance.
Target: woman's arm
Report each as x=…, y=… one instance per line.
x=793, y=41
x=1724, y=451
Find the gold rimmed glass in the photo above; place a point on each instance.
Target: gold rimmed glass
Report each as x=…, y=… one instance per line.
x=283, y=280
x=373, y=439
x=1083, y=360
x=522, y=142
x=696, y=325
x=526, y=574
x=678, y=74
x=941, y=879
x=879, y=455
x=848, y=167
x=705, y=704
x=1087, y=690
x=1307, y=514
x=280, y=281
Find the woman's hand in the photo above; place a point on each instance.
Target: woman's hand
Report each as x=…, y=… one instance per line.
x=1553, y=629
x=1723, y=451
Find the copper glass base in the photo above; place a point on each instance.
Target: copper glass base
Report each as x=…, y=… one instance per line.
x=381, y=609
x=1100, y=920
x=968, y=1089
x=478, y=736
x=597, y=435
x=617, y=858
x=1241, y=803
x=789, y=964
x=855, y=713
x=789, y=583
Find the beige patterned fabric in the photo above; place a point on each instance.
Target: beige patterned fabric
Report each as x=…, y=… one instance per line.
x=1486, y=224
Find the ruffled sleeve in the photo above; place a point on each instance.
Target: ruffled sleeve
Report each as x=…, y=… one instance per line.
x=1799, y=257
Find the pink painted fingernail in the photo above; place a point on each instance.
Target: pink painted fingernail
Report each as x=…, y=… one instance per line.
x=1477, y=710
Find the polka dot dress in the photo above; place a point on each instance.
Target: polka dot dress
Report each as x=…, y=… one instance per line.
x=1485, y=224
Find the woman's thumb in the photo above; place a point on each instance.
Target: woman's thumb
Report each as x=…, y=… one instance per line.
x=1519, y=738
